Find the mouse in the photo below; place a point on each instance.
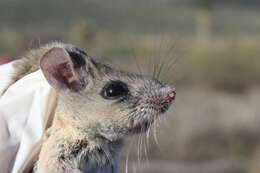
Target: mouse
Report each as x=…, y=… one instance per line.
x=98, y=107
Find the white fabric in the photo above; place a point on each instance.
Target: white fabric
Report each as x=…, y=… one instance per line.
x=6, y=71
x=23, y=116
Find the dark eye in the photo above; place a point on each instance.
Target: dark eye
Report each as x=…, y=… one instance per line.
x=114, y=89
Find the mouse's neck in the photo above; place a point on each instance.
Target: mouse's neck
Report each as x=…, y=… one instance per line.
x=76, y=149
x=90, y=156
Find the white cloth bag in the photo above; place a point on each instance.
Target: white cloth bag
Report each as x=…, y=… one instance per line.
x=26, y=109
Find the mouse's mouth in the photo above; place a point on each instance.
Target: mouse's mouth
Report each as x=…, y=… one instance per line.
x=161, y=108
x=141, y=127
x=150, y=109
x=146, y=120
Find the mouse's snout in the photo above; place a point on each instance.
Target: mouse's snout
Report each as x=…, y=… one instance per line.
x=160, y=100
x=169, y=94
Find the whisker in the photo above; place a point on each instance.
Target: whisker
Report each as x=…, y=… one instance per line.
x=136, y=62
x=155, y=135
x=145, y=149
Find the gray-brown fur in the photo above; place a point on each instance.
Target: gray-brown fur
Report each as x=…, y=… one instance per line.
x=88, y=128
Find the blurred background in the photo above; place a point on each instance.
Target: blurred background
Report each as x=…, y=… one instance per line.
x=208, y=49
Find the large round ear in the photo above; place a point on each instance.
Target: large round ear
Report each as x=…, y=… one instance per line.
x=62, y=71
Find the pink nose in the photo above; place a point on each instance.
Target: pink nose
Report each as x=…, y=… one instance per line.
x=170, y=94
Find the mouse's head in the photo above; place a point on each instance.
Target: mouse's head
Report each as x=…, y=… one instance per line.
x=103, y=101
